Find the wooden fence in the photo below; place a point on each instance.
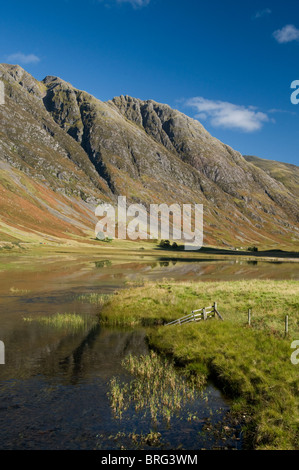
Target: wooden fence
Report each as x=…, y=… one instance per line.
x=198, y=315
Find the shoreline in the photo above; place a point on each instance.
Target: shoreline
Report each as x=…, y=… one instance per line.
x=147, y=250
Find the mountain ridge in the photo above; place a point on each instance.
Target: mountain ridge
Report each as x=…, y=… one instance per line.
x=89, y=151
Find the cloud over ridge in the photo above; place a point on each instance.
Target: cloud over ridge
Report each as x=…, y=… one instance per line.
x=135, y=3
x=21, y=58
x=228, y=115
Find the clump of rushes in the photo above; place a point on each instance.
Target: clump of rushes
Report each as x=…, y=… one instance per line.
x=157, y=390
x=93, y=298
x=117, y=394
x=61, y=320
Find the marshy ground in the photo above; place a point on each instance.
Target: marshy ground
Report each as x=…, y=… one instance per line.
x=251, y=364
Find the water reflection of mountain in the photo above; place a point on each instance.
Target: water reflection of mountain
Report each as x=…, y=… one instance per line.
x=73, y=356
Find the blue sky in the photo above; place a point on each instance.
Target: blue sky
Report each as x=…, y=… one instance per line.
x=228, y=63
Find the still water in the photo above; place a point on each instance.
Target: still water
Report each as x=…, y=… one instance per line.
x=55, y=382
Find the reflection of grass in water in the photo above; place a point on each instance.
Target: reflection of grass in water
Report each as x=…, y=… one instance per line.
x=61, y=320
x=158, y=390
x=99, y=299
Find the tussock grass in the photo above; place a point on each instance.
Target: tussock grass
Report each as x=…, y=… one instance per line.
x=158, y=390
x=61, y=321
x=162, y=302
x=94, y=298
x=251, y=364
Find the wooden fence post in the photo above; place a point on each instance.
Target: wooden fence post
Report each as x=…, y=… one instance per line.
x=286, y=325
x=249, y=316
x=206, y=313
x=215, y=308
x=216, y=311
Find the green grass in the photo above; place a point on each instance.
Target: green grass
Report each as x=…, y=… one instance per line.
x=251, y=364
x=61, y=321
x=162, y=302
x=98, y=299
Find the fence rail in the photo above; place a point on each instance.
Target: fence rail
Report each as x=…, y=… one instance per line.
x=198, y=315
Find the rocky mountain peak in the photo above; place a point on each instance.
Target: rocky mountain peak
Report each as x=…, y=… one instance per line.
x=82, y=147
x=16, y=74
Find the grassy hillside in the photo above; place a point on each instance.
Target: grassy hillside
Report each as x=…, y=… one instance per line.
x=285, y=173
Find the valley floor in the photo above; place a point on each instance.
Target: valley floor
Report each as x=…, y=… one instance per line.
x=150, y=249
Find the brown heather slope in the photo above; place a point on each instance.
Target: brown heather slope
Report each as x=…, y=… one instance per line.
x=63, y=151
x=48, y=186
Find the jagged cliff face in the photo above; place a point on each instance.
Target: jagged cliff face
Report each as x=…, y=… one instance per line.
x=79, y=151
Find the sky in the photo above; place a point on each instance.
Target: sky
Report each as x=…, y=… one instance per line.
x=227, y=63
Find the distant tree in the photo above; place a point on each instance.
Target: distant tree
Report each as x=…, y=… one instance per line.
x=165, y=244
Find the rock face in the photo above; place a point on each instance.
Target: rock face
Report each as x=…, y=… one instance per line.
x=85, y=151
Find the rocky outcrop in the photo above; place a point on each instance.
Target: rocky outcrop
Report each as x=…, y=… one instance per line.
x=80, y=147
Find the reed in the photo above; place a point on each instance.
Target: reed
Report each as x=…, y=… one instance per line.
x=61, y=321
x=157, y=391
x=94, y=298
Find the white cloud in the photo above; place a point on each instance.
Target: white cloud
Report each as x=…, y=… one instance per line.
x=228, y=115
x=21, y=58
x=281, y=111
x=262, y=13
x=288, y=33
x=135, y=3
